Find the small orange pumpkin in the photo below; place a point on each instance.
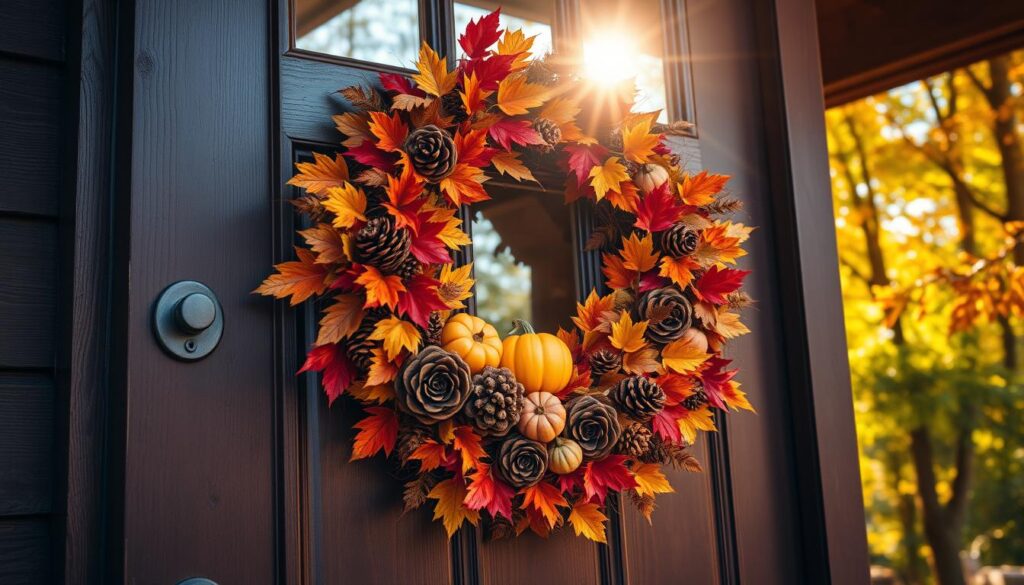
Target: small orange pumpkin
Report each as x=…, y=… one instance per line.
x=564, y=456
x=543, y=417
x=472, y=339
x=541, y=362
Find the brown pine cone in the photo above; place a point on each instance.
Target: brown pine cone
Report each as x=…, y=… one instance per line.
x=358, y=346
x=495, y=401
x=604, y=361
x=432, y=385
x=434, y=326
x=550, y=132
x=381, y=244
x=635, y=441
x=667, y=327
x=679, y=240
x=656, y=452
x=696, y=400
x=451, y=105
x=593, y=424
x=640, y=398
x=522, y=462
x=432, y=152
x=406, y=270
x=410, y=437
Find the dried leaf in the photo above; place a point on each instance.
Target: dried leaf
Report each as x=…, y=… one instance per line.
x=587, y=520
x=321, y=174
x=450, y=508
x=298, y=279
x=341, y=319
x=362, y=97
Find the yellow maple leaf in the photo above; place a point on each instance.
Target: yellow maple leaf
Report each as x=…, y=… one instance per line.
x=508, y=163
x=396, y=335
x=638, y=143
x=638, y=253
x=693, y=421
x=608, y=176
x=678, y=270
x=515, y=42
x=382, y=370
x=371, y=394
x=381, y=290
x=456, y=285
x=450, y=494
x=644, y=361
x=650, y=480
x=546, y=499
x=473, y=96
x=347, y=203
x=729, y=325
x=516, y=96
x=560, y=110
x=355, y=126
x=684, y=355
x=322, y=173
x=433, y=77
x=626, y=335
x=587, y=520
x=340, y=319
x=589, y=314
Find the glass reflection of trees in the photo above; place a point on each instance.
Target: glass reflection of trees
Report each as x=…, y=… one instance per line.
x=502, y=282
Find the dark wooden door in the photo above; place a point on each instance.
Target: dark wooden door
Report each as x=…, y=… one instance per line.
x=234, y=469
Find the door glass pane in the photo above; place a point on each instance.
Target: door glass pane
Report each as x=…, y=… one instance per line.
x=524, y=266
x=377, y=31
x=530, y=16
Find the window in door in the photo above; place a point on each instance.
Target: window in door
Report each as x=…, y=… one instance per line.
x=376, y=31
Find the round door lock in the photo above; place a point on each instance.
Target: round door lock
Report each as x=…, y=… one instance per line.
x=187, y=320
x=196, y=581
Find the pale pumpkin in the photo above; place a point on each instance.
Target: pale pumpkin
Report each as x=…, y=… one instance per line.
x=541, y=362
x=543, y=417
x=564, y=456
x=650, y=177
x=474, y=340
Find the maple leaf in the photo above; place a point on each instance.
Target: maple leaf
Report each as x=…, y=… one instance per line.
x=430, y=454
x=583, y=159
x=390, y=131
x=589, y=314
x=450, y=495
x=638, y=253
x=381, y=370
x=381, y=290
x=545, y=498
x=368, y=154
x=490, y=70
x=643, y=361
x=396, y=335
x=637, y=143
x=665, y=425
x=721, y=243
x=323, y=172
x=658, y=210
x=607, y=177
x=326, y=242
x=715, y=378
x=469, y=446
x=650, y=480
x=408, y=102
x=627, y=198
x=729, y=325
x=701, y=189
x=372, y=394
x=480, y=35
x=426, y=244
x=716, y=283
x=627, y=336
x=735, y=398
x=677, y=387
x=433, y=77
x=516, y=96
x=678, y=270
x=341, y=319
x=347, y=203
x=377, y=431
x=517, y=44
x=684, y=355
x=690, y=422
x=508, y=163
x=606, y=474
x=472, y=148
x=465, y=185
x=299, y=279
x=404, y=200
x=456, y=285
x=420, y=299
x=617, y=276
x=398, y=83
x=587, y=520
x=452, y=234
x=473, y=95
x=561, y=110
x=488, y=492
x=508, y=131
x=355, y=126
x=337, y=370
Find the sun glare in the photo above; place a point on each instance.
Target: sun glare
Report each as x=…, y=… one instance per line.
x=609, y=60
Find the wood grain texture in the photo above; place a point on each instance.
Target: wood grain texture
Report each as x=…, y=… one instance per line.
x=561, y=559
x=33, y=28
x=31, y=111
x=25, y=557
x=28, y=293
x=26, y=444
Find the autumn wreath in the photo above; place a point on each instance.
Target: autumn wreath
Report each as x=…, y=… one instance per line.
x=537, y=428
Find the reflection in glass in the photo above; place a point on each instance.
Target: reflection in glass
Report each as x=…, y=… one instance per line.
x=377, y=31
x=532, y=17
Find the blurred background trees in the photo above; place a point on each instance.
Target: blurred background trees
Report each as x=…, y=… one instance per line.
x=928, y=188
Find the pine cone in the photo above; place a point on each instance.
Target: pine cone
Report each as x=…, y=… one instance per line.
x=406, y=270
x=550, y=132
x=432, y=152
x=359, y=347
x=640, y=398
x=656, y=452
x=663, y=327
x=434, y=327
x=635, y=441
x=432, y=385
x=451, y=105
x=594, y=425
x=495, y=401
x=381, y=244
x=696, y=400
x=615, y=140
x=680, y=240
x=604, y=361
x=410, y=437
x=522, y=462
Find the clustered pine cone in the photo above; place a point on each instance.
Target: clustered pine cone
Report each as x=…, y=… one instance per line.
x=594, y=425
x=408, y=269
x=550, y=132
x=671, y=326
x=604, y=361
x=522, y=462
x=495, y=401
x=434, y=326
x=638, y=397
x=432, y=385
x=680, y=240
x=635, y=440
x=696, y=400
x=451, y=105
x=432, y=152
x=379, y=243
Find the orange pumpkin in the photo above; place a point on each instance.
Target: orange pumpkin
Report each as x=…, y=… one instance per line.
x=564, y=456
x=472, y=339
x=543, y=417
x=541, y=362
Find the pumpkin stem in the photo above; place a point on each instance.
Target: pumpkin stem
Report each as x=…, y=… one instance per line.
x=521, y=327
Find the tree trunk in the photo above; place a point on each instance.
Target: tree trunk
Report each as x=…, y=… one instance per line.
x=942, y=534
x=1005, y=131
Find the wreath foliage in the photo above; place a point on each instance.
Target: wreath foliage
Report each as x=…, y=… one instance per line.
x=538, y=429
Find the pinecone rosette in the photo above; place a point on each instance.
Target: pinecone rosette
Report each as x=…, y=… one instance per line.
x=638, y=397
x=379, y=243
x=668, y=327
x=495, y=402
x=593, y=424
x=549, y=131
x=635, y=441
x=522, y=462
x=680, y=240
x=432, y=385
x=432, y=152
x=604, y=361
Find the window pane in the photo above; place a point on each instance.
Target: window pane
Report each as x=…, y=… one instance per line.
x=378, y=31
x=532, y=17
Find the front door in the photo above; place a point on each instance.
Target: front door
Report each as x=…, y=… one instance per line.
x=234, y=469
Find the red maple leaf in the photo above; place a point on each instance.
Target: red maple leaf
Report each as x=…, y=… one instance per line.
x=377, y=431
x=715, y=378
x=665, y=424
x=419, y=299
x=491, y=70
x=714, y=284
x=426, y=246
x=658, y=210
x=368, y=154
x=570, y=482
x=650, y=281
x=404, y=200
x=480, y=35
x=399, y=83
x=507, y=132
x=583, y=158
x=472, y=148
x=490, y=493
x=338, y=371
x=609, y=473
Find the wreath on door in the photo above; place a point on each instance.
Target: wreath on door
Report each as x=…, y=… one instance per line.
x=536, y=429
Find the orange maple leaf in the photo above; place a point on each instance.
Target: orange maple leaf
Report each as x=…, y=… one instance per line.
x=684, y=355
x=326, y=242
x=377, y=431
x=381, y=290
x=637, y=143
x=323, y=172
x=390, y=131
x=638, y=253
x=381, y=370
x=404, y=197
x=430, y=454
x=299, y=279
x=355, y=126
x=587, y=520
x=465, y=185
x=515, y=42
x=508, y=163
x=650, y=480
x=450, y=508
x=589, y=313
x=469, y=446
x=546, y=499
x=516, y=96
x=433, y=77
x=701, y=189
x=626, y=335
x=734, y=397
x=678, y=270
x=341, y=319
x=626, y=198
x=473, y=96
x=607, y=177
x=617, y=276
